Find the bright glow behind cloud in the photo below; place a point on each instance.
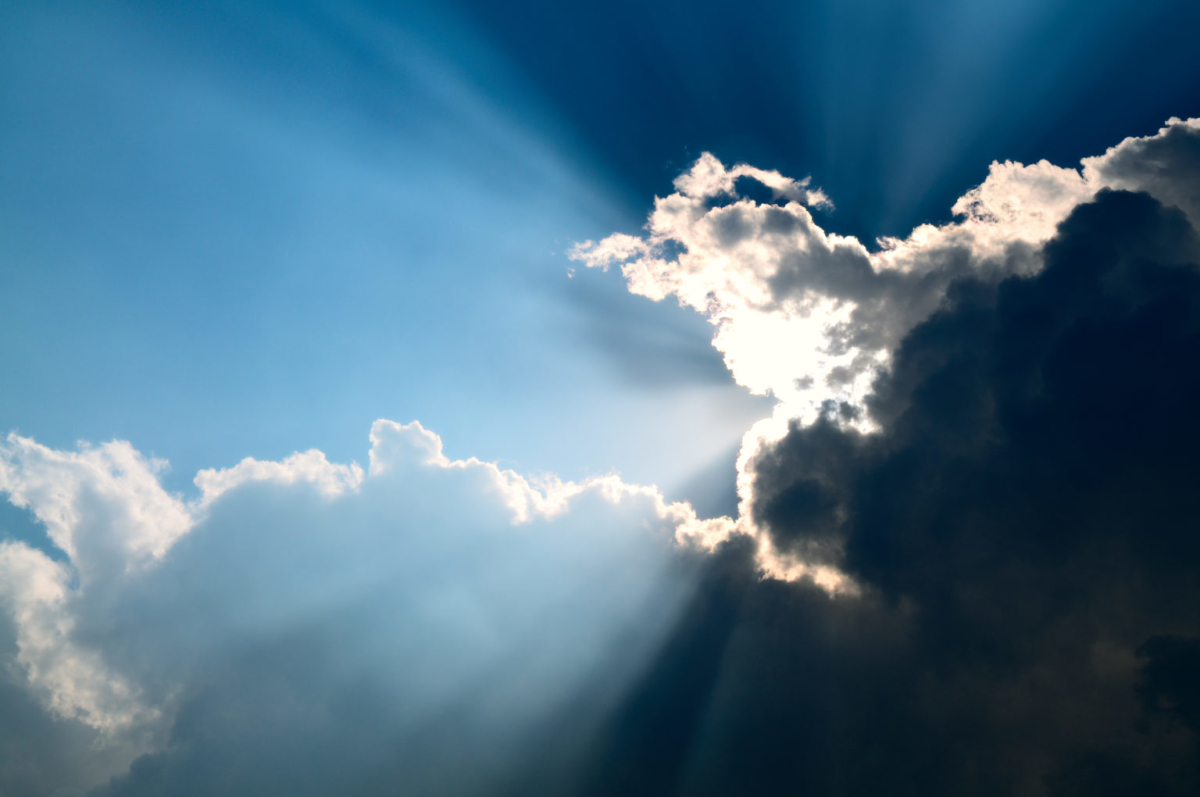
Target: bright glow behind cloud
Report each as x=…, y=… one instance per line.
x=808, y=316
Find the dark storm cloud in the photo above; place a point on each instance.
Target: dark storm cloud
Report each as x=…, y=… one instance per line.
x=1024, y=529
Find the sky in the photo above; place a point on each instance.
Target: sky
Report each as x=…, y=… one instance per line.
x=670, y=398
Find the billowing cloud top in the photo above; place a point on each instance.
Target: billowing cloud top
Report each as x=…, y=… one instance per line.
x=976, y=498
x=809, y=316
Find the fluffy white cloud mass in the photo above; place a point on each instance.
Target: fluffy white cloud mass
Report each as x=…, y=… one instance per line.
x=425, y=576
x=811, y=317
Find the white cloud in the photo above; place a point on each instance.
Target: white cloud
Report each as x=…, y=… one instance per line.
x=103, y=506
x=310, y=467
x=36, y=593
x=808, y=316
x=708, y=177
x=446, y=572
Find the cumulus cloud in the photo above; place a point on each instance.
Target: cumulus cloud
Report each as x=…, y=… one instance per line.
x=36, y=593
x=80, y=496
x=420, y=580
x=809, y=316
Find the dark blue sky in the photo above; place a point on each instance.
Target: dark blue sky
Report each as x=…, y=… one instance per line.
x=894, y=107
